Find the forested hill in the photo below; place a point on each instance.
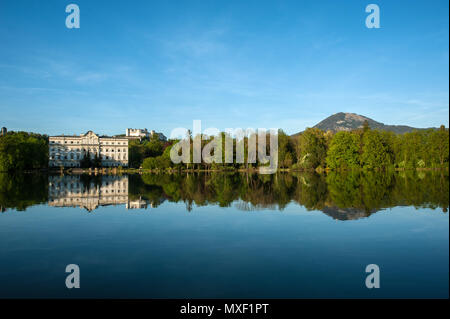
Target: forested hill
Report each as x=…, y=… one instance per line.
x=351, y=121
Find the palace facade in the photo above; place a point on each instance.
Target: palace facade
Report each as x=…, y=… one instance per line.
x=69, y=151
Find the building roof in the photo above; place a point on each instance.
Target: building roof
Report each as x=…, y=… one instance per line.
x=83, y=135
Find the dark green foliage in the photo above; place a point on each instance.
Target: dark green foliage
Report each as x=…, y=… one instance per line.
x=86, y=161
x=19, y=191
x=376, y=151
x=439, y=147
x=421, y=149
x=286, y=150
x=312, y=148
x=139, y=150
x=382, y=150
x=23, y=151
x=343, y=152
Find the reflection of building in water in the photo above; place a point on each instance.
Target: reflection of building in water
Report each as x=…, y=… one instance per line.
x=90, y=192
x=144, y=203
x=137, y=203
x=87, y=192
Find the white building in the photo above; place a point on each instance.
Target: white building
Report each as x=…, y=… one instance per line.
x=68, y=151
x=134, y=133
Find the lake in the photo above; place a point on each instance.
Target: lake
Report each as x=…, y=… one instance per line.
x=225, y=235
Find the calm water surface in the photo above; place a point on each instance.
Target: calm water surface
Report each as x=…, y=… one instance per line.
x=225, y=235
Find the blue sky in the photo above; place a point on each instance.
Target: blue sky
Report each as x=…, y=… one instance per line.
x=272, y=64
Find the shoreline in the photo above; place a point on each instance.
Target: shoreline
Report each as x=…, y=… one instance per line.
x=140, y=171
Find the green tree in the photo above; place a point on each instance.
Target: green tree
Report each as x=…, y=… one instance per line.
x=312, y=148
x=97, y=162
x=439, y=147
x=343, y=152
x=23, y=151
x=135, y=153
x=286, y=154
x=376, y=152
x=86, y=161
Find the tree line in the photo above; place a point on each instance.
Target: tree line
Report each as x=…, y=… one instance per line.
x=313, y=149
x=21, y=151
x=368, y=149
x=362, y=148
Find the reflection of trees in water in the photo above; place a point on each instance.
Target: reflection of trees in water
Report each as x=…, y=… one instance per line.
x=90, y=182
x=19, y=191
x=348, y=195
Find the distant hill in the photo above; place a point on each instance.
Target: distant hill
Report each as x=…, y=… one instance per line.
x=350, y=121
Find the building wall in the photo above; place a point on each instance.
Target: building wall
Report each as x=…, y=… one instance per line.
x=68, y=151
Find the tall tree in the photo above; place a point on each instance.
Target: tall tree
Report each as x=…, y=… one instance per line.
x=312, y=148
x=343, y=152
x=376, y=152
x=439, y=146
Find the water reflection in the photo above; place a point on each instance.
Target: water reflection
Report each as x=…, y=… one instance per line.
x=342, y=196
x=89, y=193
